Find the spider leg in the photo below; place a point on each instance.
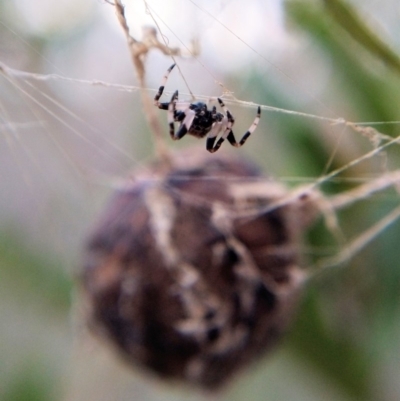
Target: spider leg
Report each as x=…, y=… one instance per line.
x=171, y=114
x=229, y=134
x=227, y=112
x=212, y=135
x=226, y=123
x=214, y=111
x=179, y=116
x=163, y=106
x=184, y=128
x=184, y=116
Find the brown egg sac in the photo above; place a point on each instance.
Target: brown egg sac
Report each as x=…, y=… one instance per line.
x=193, y=270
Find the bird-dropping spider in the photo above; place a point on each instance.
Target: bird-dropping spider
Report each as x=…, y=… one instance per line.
x=197, y=120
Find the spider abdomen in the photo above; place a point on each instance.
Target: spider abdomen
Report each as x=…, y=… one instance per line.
x=203, y=120
x=201, y=126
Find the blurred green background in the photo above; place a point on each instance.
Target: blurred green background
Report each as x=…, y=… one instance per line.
x=64, y=144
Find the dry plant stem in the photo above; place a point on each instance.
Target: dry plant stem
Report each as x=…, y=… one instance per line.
x=364, y=191
x=345, y=199
x=357, y=244
x=328, y=206
x=139, y=50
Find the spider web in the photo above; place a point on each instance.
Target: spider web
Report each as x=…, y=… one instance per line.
x=72, y=127
x=58, y=125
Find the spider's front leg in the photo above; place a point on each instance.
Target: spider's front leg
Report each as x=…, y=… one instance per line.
x=185, y=115
x=172, y=114
x=163, y=105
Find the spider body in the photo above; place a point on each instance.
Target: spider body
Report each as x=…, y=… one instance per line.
x=198, y=120
x=202, y=122
x=203, y=119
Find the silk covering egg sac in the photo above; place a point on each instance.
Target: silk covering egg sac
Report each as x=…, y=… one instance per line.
x=193, y=270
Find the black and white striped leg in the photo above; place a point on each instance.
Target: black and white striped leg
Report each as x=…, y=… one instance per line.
x=231, y=137
x=186, y=123
x=163, y=106
x=228, y=134
x=184, y=115
x=212, y=135
x=226, y=111
x=171, y=114
x=227, y=124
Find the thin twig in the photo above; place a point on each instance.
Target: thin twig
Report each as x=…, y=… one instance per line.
x=139, y=50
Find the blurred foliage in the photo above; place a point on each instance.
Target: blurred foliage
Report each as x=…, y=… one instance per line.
x=28, y=385
x=372, y=91
x=30, y=271
x=346, y=331
x=349, y=354
x=351, y=360
x=345, y=16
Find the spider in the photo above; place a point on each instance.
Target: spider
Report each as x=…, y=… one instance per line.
x=197, y=120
